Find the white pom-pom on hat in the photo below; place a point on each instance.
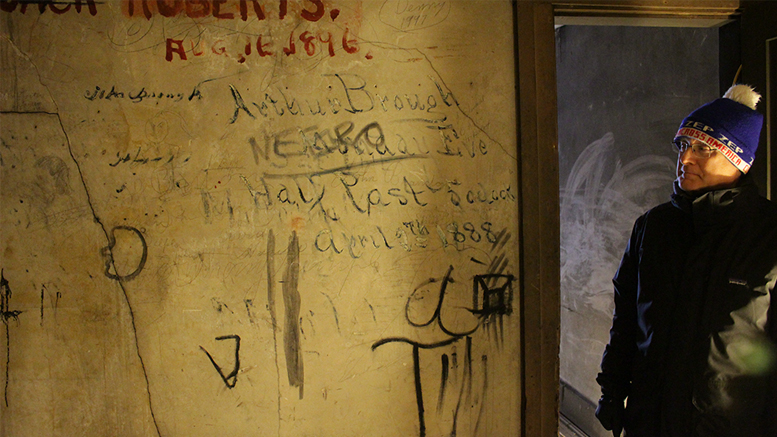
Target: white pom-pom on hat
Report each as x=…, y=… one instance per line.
x=744, y=94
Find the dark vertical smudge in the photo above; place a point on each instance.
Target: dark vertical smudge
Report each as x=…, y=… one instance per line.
x=468, y=366
x=334, y=311
x=484, y=362
x=58, y=296
x=230, y=209
x=249, y=303
x=501, y=240
x=291, y=301
x=419, y=396
x=498, y=239
x=501, y=340
x=42, y=292
x=492, y=268
x=271, y=309
x=374, y=319
x=5, y=298
x=206, y=206
x=503, y=266
x=466, y=384
x=271, y=279
x=504, y=242
x=5, y=314
x=444, y=367
x=475, y=295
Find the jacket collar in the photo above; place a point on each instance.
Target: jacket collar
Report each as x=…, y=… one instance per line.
x=718, y=206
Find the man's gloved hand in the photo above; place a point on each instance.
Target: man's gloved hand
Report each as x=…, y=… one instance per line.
x=610, y=414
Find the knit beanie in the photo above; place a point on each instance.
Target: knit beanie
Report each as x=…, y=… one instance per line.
x=730, y=124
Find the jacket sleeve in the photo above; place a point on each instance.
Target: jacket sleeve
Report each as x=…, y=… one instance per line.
x=618, y=357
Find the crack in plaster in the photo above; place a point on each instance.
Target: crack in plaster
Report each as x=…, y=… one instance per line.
x=96, y=219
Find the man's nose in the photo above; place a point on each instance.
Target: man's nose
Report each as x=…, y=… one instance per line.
x=686, y=156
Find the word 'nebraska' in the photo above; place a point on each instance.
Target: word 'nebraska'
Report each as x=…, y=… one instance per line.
x=222, y=9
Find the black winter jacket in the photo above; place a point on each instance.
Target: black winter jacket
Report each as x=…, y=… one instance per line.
x=693, y=333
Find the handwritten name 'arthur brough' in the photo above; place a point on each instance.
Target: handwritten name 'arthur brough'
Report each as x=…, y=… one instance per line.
x=348, y=93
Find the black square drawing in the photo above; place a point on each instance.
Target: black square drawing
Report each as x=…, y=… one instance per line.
x=493, y=294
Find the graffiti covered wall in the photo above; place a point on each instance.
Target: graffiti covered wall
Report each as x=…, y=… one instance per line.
x=272, y=217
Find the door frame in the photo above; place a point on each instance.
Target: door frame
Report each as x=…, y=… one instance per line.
x=758, y=37
x=536, y=120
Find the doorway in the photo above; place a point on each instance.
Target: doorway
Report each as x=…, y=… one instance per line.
x=622, y=92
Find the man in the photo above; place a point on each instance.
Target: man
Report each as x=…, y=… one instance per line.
x=691, y=347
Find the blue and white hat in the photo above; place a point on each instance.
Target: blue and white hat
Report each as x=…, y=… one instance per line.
x=730, y=124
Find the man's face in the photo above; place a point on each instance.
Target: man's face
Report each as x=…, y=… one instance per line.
x=697, y=173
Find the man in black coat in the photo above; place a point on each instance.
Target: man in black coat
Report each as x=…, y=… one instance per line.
x=692, y=344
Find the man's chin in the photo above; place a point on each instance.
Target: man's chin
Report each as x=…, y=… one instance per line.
x=689, y=186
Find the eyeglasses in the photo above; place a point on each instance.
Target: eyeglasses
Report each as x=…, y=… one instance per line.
x=700, y=150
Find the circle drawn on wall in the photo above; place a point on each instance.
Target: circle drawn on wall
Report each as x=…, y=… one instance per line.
x=129, y=250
